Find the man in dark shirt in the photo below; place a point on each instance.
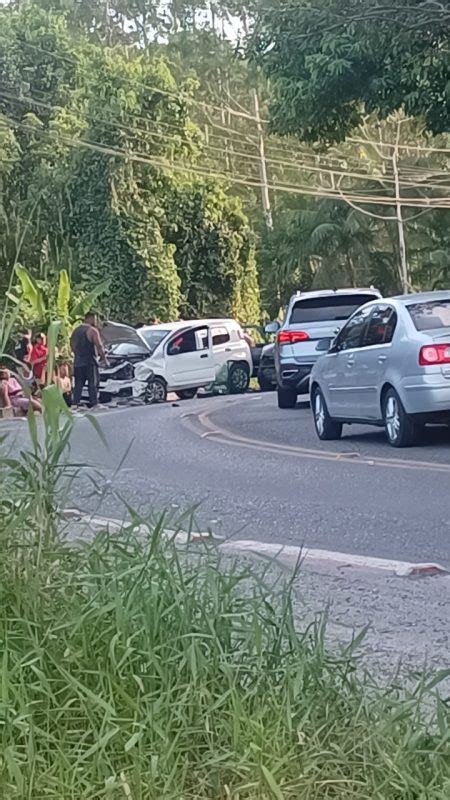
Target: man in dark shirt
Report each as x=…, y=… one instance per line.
x=86, y=344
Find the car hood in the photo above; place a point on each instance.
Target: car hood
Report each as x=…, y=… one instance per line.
x=116, y=333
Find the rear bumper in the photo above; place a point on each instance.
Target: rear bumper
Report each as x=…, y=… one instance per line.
x=291, y=375
x=268, y=370
x=429, y=394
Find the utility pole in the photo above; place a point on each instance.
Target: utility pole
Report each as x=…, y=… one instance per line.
x=262, y=165
x=399, y=217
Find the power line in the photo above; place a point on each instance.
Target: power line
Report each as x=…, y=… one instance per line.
x=164, y=92
x=177, y=139
x=283, y=187
x=239, y=114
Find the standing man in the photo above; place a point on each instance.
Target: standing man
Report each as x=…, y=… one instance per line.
x=86, y=344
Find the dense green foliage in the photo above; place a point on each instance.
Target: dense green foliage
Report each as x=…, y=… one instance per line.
x=88, y=136
x=331, y=62
x=129, y=149
x=133, y=669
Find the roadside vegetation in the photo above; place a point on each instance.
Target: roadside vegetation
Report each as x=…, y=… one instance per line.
x=130, y=152
x=132, y=669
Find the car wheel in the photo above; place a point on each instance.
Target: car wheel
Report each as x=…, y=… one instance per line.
x=187, y=394
x=287, y=398
x=238, y=379
x=327, y=428
x=156, y=391
x=264, y=384
x=401, y=430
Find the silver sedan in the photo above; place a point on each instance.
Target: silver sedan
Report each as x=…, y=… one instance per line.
x=389, y=366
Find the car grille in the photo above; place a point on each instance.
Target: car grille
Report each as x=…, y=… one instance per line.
x=124, y=373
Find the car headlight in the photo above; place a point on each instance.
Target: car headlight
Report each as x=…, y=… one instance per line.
x=125, y=373
x=142, y=372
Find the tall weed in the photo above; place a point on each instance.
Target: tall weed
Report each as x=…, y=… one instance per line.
x=131, y=670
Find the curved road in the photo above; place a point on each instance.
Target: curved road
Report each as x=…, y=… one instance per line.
x=247, y=469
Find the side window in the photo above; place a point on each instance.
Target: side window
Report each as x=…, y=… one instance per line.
x=185, y=342
x=350, y=335
x=220, y=336
x=381, y=326
x=202, y=338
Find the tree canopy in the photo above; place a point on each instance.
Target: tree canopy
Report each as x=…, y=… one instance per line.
x=331, y=62
x=130, y=149
x=98, y=169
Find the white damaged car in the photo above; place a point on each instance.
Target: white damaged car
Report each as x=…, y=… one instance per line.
x=180, y=357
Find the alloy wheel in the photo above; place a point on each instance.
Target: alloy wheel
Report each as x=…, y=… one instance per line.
x=392, y=418
x=156, y=392
x=239, y=379
x=319, y=413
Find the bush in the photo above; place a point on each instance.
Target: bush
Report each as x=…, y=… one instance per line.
x=131, y=671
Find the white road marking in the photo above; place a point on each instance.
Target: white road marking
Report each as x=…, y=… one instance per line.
x=291, y=554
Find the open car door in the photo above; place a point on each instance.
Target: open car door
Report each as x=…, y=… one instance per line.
x=189, y=360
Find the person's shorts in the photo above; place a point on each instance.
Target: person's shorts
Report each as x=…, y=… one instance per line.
x=20, y=402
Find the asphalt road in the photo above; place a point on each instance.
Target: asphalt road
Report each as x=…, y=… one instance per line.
x=244, y=468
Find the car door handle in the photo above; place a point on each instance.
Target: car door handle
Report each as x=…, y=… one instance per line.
x=381, y=359
x=350, y=362
x=204, y=355
x=228, y=349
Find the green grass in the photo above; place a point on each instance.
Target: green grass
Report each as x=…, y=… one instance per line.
x=131, y=671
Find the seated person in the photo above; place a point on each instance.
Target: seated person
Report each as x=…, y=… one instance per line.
x=64, y=383
x=13, y=396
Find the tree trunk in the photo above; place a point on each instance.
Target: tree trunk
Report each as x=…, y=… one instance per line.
x=351, y=270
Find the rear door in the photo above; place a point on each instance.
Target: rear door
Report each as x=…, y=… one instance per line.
x=320, y=319
x=221, y=344
x=374, y=358
x=189, y=358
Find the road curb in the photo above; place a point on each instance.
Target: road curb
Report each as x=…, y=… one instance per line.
x=290, y=555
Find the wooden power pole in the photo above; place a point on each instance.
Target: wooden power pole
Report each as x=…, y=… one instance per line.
x=262, y=165
x=399, y=217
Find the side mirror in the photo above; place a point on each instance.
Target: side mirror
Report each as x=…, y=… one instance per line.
x=272, y=327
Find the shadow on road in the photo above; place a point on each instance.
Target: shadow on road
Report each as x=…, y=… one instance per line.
x=432, y=436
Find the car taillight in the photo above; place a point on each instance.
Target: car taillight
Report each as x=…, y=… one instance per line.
x=434, y=354
x=292, y=337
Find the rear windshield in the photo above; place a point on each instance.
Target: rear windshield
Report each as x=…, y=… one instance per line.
x=431, y=315
x=324, y=309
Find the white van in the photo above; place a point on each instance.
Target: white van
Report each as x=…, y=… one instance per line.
x=176, y=357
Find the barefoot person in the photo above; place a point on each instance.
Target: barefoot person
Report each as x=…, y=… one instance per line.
x=12, y=394
x=64, y=383
x=86, y=344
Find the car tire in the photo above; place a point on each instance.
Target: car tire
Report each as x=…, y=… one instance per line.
x=156, y=391
x=401, y=429
x=327, y=428
x=287, y=398
x=187, y=394
x=264, y=383
x=238, y=378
